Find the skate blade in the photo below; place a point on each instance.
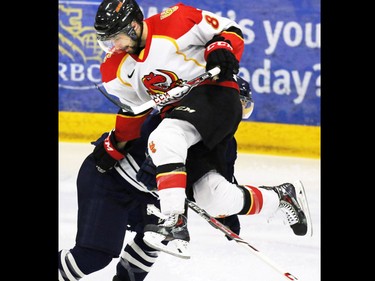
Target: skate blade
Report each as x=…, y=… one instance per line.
x=176, y=247
x=302, y=200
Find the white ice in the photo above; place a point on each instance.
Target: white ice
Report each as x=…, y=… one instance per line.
x=213, y=257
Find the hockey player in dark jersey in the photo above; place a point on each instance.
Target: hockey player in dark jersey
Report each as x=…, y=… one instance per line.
x=109, y=204
x=146, y=58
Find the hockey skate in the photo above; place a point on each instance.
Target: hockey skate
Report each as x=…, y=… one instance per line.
x=293, y=203
x=170, y=236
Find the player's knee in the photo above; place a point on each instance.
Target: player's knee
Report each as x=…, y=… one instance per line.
x=218, y=196
x=74, y=264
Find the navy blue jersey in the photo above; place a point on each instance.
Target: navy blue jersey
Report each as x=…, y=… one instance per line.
x=111, y=203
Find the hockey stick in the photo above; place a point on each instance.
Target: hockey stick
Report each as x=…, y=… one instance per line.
x=167, y=96
x=230, y=234
x=151, y=209
x=115, y=101
x=185, y=87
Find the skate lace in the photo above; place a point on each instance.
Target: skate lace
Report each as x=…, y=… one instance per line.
x=170, y=221
x=165, y=220
x=290, y=212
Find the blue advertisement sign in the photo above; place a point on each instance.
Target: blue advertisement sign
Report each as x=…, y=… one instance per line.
x=281, y=58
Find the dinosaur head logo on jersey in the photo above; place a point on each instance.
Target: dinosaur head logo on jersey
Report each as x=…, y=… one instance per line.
x=158, y=84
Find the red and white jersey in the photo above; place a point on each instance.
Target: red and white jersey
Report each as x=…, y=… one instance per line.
x=174, y=52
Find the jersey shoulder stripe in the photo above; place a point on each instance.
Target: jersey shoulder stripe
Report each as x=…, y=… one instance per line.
x=174, y=21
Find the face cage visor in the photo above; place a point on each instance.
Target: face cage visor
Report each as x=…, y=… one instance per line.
x=108, y=45
x=247, y=107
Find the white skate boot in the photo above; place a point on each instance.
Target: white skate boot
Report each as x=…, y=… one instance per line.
x=171, y=236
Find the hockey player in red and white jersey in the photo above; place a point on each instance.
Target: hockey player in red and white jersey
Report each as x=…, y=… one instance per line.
x=120, y=202
x=146, y=58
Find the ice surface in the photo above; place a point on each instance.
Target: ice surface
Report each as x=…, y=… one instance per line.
x=214, y=258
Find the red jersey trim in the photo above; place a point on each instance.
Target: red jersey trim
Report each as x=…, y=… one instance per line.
x=237, y=43
x=256, y=199
x=129, y=127
x=171, y=180
x=229, y=84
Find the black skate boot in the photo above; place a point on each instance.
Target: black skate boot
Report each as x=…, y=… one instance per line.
x=293, y=203
x=170, y=236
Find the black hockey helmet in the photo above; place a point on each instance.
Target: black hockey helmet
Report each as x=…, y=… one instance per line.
x=245, y=97
x=114, y=16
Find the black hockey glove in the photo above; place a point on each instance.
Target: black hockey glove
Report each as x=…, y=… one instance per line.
x=219, y=52
x=105, y=152
x=232, y=222
x=147, y=174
